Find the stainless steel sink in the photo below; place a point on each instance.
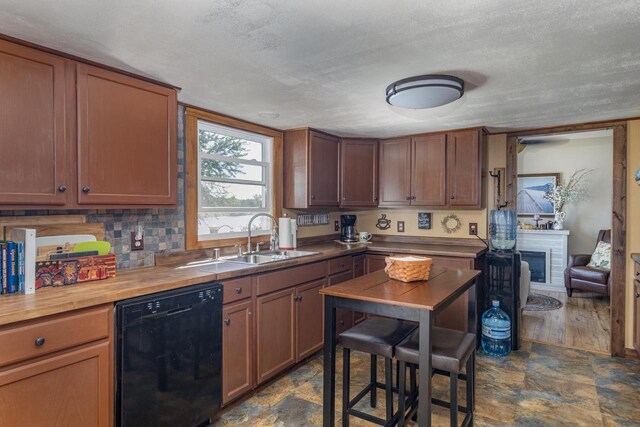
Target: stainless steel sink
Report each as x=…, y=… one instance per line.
x=267, y=257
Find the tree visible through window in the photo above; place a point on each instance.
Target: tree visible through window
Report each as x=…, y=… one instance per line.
x=234, y=167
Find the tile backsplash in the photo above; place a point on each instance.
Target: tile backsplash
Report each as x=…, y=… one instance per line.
x=163, y=228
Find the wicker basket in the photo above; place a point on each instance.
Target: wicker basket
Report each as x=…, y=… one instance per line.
x=408, y=269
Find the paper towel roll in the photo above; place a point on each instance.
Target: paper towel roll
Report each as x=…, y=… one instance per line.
x=284, y=224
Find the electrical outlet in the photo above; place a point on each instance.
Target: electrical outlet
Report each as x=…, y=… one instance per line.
x=400, y=226
x=336, y=226
x=473, y=228
x=137, y=242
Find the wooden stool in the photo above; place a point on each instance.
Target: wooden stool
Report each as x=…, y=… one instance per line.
x=451, y=350
x=376, y=336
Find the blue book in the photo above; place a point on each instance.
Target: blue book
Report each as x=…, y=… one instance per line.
x=12, y=268
x=20, y=266
x=3, y=266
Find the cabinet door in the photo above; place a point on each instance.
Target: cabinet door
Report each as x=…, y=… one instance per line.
x=375, y=263
x=359, y=172
x=310, y=319
x=237, y=350
x=359, y=267
x=464, y=168
x=127, y=148
x=429, y=168
x=275, y=322
x=32, y=127
x=324, y=165
x=70, y=389
x=636, y=313
x=344, y=318
x=395, y=172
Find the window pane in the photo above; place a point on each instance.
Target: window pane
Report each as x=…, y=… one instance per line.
x=224, y=195
x=229, y=146
x=221, y=223
x=220, y=169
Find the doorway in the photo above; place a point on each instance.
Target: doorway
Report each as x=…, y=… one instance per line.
x=582, y=164
x=618, y=211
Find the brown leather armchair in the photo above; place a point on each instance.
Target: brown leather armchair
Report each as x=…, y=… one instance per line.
x=578, y=276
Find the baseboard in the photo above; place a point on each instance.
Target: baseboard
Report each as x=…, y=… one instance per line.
x=631, y=353
x=546, y=287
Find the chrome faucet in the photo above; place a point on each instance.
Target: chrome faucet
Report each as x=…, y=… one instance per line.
x=275, y=226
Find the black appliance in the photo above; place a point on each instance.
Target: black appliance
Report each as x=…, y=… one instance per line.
x=502, y=283
x=348, y=229
x=169, y=357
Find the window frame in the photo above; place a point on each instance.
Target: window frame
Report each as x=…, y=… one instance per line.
x=193, y=157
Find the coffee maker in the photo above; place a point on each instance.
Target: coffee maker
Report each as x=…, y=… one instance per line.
x=348, y=232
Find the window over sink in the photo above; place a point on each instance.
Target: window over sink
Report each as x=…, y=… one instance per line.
x=231, y=166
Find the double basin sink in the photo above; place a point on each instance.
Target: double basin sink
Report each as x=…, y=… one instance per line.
x=267, y=257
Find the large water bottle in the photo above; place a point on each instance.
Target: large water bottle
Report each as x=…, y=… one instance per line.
x=503, y=229
x=496, y=331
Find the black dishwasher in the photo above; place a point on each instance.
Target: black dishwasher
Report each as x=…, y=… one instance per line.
x=169, y=357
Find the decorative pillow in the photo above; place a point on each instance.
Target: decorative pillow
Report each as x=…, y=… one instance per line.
x=601, y=257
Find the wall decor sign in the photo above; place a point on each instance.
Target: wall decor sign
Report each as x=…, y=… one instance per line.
x=424, y=220
x=531, y=191
x=383, y=223
x=451, y=223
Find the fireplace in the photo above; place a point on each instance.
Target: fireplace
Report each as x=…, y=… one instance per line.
x=538, y=264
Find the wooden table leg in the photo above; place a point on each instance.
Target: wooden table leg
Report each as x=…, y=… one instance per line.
x=424, y=359
x=329, y=384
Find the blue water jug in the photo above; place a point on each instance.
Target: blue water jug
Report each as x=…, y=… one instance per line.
x=496, y=331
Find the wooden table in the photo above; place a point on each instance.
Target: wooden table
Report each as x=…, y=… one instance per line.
x=375, y=293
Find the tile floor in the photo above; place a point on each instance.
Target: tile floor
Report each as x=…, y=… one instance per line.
x=540, y=385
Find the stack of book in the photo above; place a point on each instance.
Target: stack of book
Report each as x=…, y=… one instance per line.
x=12, y=266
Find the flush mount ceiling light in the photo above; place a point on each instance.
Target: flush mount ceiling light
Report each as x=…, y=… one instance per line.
x=427, y=91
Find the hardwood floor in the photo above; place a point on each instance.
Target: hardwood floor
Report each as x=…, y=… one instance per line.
x=584, y=322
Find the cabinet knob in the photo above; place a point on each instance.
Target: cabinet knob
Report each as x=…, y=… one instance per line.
x=62, y=188
x=313, y=197
x=85, y=189
x=341, y=322
x=408, y=197
x=453, y=197
x=344, y=197
x=39, y=341
x=375, y=198
x=227, y=321
x=238, y=290
x=637, y=295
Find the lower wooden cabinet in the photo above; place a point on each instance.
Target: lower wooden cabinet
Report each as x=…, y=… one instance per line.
x=310, y=319
x=359, y=269
x=237, y=350
x=375, y=263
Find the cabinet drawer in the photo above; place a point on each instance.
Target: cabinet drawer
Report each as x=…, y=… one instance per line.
x=36, y=338
x=236, y=290
x=339, y=278
x=283, y=279
x=338, y=265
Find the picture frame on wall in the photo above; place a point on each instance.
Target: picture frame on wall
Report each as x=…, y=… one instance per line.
x=531, y=190
x=424, y=220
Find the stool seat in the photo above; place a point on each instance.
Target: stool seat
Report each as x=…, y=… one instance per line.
x=376, y=335
x=450, y=349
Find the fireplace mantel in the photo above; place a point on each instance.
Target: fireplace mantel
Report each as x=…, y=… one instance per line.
x=552, y=243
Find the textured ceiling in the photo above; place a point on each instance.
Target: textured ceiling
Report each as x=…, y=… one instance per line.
x=326, y=63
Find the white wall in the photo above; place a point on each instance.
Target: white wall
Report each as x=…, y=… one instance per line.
x=584, y=218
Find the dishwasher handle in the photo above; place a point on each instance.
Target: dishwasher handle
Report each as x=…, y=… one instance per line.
x=179, y=310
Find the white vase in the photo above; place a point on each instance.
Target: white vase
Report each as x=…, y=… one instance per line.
x=558, y=220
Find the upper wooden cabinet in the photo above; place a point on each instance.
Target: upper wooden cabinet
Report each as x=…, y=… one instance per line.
x=78, y=136
x=33, y=145
x=311, y=169
x=359, y=172
x=126, y=139
x=433, y=170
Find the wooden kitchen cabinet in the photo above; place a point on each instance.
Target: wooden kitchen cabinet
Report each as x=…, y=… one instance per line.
x=33, y=130
x=429, y=170
x=464, y=168
x=359, y=172
x=126, y=140
x=237, y=350
x=276, y=329
x=359, y=269
x=395, y=172
x=58, y=370
x=375, y=262
x=311, y=169
x=344, y=318
x=310, y=319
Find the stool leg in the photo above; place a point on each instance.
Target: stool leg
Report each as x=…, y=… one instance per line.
x=388, y=371
x=346, y=374
x=471, y=367
x=402, y=379
x=453, y=378
x=374, y=380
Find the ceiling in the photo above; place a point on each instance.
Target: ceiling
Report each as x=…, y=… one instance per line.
x=326, y=63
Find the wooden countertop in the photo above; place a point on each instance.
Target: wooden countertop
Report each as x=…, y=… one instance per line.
x=131, y=283
x=443, y=285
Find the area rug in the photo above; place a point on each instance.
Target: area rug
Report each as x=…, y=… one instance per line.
x=540, y=302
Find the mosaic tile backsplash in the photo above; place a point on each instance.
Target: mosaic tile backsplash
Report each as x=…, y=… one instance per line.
x=163, y=228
